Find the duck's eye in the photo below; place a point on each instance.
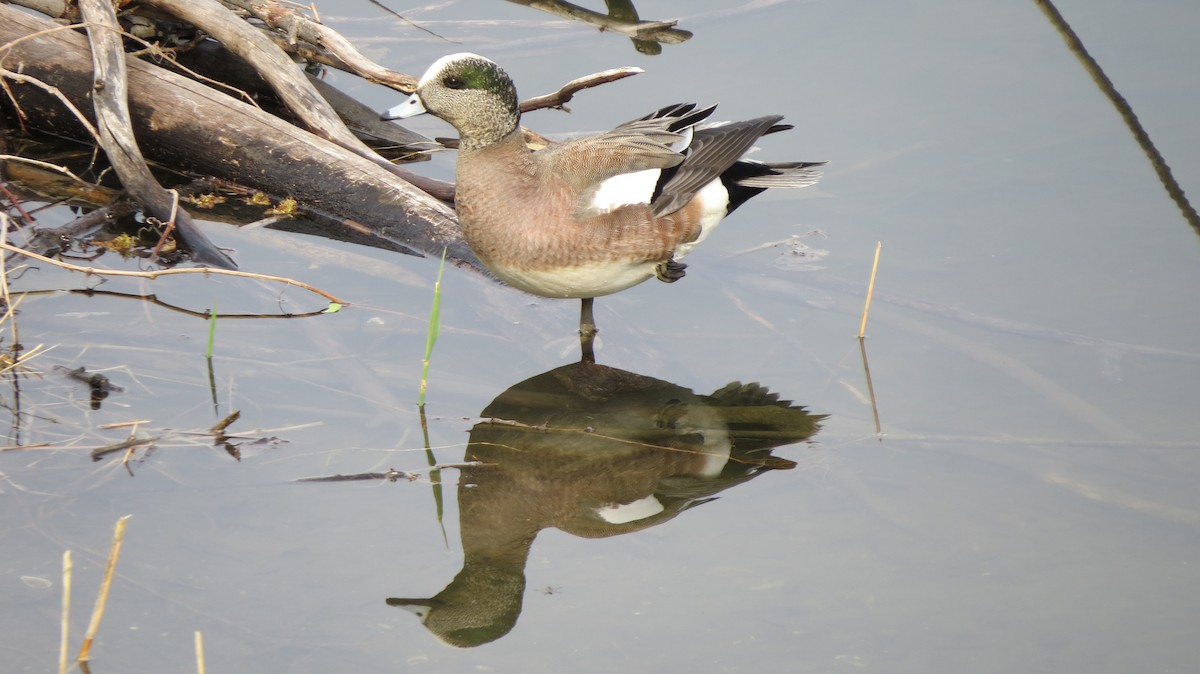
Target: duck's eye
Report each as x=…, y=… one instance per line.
x=454, y=82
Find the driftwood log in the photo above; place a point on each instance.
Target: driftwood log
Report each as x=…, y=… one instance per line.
x=181, y=123
x=112, y=123
x=221, y=123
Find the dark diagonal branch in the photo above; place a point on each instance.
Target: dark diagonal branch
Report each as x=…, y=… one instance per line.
x=1125, y=110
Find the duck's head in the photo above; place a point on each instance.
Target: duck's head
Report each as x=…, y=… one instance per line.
x=470, y=92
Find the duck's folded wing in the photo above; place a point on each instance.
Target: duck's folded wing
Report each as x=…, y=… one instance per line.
x=623, y=166
x=592, y=159
x=713, y=150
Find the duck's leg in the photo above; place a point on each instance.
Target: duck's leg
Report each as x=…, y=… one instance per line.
x=587, y=330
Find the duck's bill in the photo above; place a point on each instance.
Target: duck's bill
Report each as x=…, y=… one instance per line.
x=411, y=107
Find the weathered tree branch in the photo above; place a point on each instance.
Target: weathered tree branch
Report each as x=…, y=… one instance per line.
x=286, y=78
x=292, y=23
x=280, y=71
x=209, y=133
x=567, y=91
x=110, y=97
x=206, y=132
x=616, y=22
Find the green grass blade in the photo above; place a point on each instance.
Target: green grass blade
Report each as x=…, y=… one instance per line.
x=212, y=331
x=435, y=324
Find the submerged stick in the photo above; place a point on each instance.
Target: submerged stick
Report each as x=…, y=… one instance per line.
x=862, y=328
x=102, y=598
x=90, y=271
x=132, y=443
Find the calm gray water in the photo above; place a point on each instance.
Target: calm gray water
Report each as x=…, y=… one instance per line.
x=1029, y=506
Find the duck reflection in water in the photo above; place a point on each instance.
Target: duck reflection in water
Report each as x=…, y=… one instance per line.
x=593, y=451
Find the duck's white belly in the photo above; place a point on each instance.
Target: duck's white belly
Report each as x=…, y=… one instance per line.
x=588, y=280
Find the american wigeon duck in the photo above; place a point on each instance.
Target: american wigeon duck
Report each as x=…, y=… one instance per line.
x=594, y=215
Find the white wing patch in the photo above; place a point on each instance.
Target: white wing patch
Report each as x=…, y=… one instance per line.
x=714, y=199
x=625, y=189
x=685, y=139
x=640, y=509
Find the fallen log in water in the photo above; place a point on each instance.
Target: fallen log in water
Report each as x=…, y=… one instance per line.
x=181, y=123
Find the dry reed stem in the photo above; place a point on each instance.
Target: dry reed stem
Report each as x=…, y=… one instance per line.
x=102, y=598
x=92, y=271
x=199, y=653
x=862, y=328
x=124, y=424
x=18, y=359
x=862, y=349
x=66, y=611
x=8, y=308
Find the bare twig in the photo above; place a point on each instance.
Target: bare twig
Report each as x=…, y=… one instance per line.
x=300, y=26
x=205, y=314
x=410, y=22
x=308, y=51
x=169, y=57
x=567, y=91
x=124, y=424
x=48, y=166
x=392, y=475
x=170, y=226
x=90, y=271
x=656, y=31
x=132, y=443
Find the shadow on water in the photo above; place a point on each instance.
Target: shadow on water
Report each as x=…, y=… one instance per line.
x=593, y=451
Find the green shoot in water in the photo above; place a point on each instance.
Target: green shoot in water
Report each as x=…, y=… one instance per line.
x=434, y=327
x=212, y=330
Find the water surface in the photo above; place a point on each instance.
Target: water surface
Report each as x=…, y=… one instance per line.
x=1030, y=501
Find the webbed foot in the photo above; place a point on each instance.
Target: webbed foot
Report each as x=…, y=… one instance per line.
x=670, y=271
